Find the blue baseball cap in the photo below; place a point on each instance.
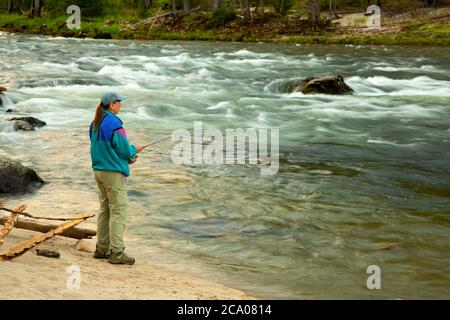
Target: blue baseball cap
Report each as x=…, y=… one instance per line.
x=109, y=96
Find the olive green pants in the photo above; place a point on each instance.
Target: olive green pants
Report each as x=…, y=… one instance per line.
x=112, y=215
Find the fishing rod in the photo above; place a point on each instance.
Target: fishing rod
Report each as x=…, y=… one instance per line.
x=158, y=141
x=134, y=159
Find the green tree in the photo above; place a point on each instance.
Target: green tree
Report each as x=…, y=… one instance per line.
x=148, y=4
x=216, y=4
x=35, y=8
x=313, y=7
x=14, y=6
x=88, y=8
x=186, y=5
x=282, y=6
x=245, y=8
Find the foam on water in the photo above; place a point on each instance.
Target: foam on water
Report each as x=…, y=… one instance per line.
x=6, y=102
x=123, y=74
x=204, y=73
x=381, y=141
x=248, y=53
x=417, y=86
x=153, y=68
x=6, y=127
x=220, y=105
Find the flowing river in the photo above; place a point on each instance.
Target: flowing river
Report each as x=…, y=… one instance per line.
x=364, y=179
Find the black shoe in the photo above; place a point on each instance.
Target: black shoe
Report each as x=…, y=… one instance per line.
x=121, y=258
x=102, y=253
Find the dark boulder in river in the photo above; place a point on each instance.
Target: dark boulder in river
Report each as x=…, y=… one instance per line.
x=27, y=123
x=102, y=35
x=5, y=101
x=14, y=177
x=2, y=89
x=328, y=84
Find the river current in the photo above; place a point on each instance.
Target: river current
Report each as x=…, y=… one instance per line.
x=364, y=179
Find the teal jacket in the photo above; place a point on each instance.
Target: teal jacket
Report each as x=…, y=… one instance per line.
x=110, y=150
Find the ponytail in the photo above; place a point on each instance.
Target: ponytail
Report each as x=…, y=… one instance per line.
x=98, y=116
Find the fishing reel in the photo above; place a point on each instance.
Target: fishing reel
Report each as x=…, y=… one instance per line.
x=132, y=160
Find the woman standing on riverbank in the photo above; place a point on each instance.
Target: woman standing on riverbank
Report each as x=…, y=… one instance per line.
x=110, y=154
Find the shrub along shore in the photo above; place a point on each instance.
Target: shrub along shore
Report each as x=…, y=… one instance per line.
x=225, y=25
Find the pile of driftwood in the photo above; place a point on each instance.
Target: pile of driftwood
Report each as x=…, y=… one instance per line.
x=66, y=229
x=154, y=19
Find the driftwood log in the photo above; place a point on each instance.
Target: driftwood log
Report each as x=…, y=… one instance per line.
x=25, y=246
x=39, y=226
x=146, y=21
x=156, y=17
x=10, y=222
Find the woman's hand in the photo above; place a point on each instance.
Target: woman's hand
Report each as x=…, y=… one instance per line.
x=139, y=149
x=132, y=160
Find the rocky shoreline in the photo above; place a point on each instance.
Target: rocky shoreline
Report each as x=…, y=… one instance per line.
x=14, y=177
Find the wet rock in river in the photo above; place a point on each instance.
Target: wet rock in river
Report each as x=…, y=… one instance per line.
x=14, y=177
x=2, y=96
x=102, y=35
x=27, y=123
x=334, y=84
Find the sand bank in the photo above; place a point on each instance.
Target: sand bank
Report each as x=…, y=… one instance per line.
x=35, y=277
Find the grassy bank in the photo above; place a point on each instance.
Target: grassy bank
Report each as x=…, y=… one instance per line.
x=430, y=32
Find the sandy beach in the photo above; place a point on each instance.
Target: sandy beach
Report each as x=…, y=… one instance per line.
x=35, y=277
